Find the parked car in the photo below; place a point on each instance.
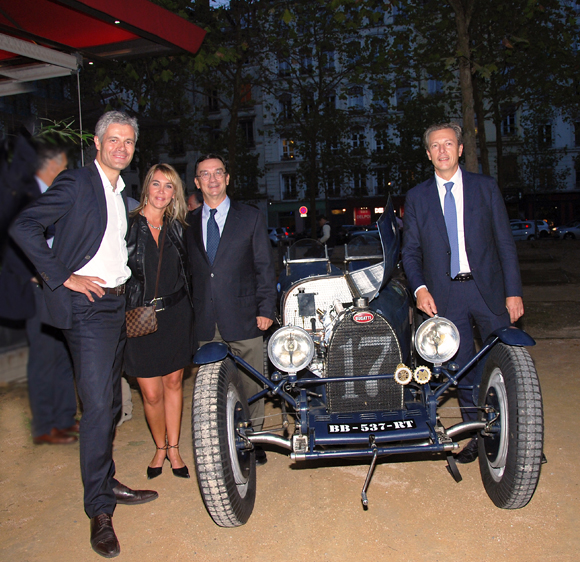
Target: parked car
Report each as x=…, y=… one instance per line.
x=523, y=230
x=542, y=228
x=361, y=379
x=570, y=230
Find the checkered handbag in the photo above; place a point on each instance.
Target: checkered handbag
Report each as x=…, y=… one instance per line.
x=141, y=321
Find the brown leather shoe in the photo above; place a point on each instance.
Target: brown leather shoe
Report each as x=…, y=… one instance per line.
x=126, y=496
x=72, y=430
x=103, y=538
x=55, y=437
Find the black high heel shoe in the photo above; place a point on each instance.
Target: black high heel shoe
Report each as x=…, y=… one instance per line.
x=182, y=472
x=155, y=471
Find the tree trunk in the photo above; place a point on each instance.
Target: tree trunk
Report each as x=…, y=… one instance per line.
x=463, y=13
x=481, y=136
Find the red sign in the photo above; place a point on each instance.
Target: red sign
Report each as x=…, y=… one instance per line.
x=363, y=317
x=362, y=216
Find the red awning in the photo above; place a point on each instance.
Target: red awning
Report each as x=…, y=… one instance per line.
x=47, y=38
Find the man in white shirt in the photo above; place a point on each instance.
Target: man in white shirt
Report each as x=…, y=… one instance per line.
x=84, y=276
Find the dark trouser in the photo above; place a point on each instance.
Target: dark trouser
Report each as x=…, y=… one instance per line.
x=96, y=341
x=252, y=352
x=51, y=387
x=466, y=305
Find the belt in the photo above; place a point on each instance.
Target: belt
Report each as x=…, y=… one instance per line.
x=463, y=277
x=118, y=291
x=161, y=303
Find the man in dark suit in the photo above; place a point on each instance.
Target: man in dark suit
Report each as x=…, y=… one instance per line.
x=51, y=388
x=84, y=275
x=233, y=275
x=459, y=254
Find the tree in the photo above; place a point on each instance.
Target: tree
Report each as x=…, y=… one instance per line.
x=320, y=58
x=226, y=79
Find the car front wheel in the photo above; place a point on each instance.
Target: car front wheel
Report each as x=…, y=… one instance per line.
x=225, y=467
x=510, y=400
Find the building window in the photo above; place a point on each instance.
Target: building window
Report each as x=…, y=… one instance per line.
x=356, y=99
x=330, y=103
x=307, y=102
x=434, y=87
x=545, y=135
x=328, y=61
x=577, y=133
x=511, y=173
x=357, y=140
x=284, y=67
x=508, y=125
x=288, y=152
x=380, y=140
x=381, y=180
x=333, y=184
x=286, y=107
x=247, y=129
x=403, y=93
x=359, y=183
x=289, y=190
x=213, y=104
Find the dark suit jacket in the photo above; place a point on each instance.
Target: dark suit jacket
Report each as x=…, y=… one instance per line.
x=18, y=188
x=241, y=284
x=488, y=240
x=76, y=205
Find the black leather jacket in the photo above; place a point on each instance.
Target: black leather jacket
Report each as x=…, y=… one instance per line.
x=136, y=237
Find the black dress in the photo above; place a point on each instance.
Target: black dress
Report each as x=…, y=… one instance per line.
x=170, y=347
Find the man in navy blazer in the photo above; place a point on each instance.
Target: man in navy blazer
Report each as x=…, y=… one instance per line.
x=235, y=291
x=84, y=275
x=471, y=275
x=51, y=388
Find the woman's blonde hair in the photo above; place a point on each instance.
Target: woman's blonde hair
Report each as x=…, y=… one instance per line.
x=177, y=209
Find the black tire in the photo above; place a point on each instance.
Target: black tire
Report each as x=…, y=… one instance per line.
x=226, y=474
x=510, y=456
x=532, y=237
x=568, y=236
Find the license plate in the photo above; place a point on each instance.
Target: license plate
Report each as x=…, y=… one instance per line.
x=374, y=427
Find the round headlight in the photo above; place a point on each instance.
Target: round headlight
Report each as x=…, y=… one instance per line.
x=437, y=340
x=291, y=349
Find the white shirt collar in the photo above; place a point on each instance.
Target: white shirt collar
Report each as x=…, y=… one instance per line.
x=107, y=183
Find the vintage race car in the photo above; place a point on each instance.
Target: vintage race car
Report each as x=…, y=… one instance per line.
x=361, y=379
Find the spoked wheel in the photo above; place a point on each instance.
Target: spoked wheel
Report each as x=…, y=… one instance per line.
x=510, y=455
x=226, y=469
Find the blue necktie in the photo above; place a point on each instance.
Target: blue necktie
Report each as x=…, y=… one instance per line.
x=450, y=212
x=213, y=236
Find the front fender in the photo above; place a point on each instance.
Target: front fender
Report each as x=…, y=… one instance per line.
x=211, y=353
x=511, y=335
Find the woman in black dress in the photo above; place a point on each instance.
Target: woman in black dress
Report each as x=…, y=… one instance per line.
x=158, y=359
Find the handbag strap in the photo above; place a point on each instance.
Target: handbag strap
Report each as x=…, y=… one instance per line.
x=160, y=258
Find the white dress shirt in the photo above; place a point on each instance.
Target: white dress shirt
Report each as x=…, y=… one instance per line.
x=110, y=261
x=457, y=191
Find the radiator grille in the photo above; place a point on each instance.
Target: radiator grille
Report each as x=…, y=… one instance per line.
x=363, y=349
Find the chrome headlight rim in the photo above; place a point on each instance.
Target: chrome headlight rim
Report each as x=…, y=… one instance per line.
x=281, y=340
x=437, y=340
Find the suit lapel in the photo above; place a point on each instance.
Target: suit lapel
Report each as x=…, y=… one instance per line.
x=99, y=190
x=197, y=233
x=434, y=203
x=230, y=229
